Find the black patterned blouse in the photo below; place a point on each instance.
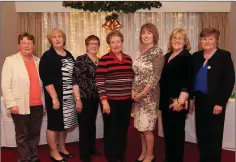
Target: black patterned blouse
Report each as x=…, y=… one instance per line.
x=84, y=75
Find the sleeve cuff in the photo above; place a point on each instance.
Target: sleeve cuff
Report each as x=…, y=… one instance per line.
x=11, y=104
x=47, y=83
x=220, y=104
x=74, y=83
x=184, y=90
x=103, y=98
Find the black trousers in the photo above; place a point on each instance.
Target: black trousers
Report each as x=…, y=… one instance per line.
x=209, y=128
x=174, y=133
x=115, y=129
x=27, y=129
x=87, y=127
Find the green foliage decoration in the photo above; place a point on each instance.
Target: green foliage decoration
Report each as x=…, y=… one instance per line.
x=111, y=6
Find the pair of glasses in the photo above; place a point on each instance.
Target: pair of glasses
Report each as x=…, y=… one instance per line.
x=93, y=44
x=177, y=38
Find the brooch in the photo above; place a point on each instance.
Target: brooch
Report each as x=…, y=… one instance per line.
x=208, y=67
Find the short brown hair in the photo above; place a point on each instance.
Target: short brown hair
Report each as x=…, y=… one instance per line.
x=114, y=33
x=92, y=37
x=151, y=28
x=210, y=31
x=49, y=35
x=27, y=35
x=181, y=31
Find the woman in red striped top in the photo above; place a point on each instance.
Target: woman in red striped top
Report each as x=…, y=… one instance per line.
x=114, y=77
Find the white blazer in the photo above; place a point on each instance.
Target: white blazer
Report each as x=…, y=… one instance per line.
x=16, y=84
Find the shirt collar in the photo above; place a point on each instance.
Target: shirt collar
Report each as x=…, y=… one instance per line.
x=116, y=58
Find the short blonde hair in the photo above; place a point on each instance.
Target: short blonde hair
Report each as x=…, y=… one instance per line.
x=56, y=30
x=151, y=28
x=181, y=31
x=114, y=33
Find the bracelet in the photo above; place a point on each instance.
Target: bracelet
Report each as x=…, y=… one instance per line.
x=176, y=101
x=180, y=103
x=77, y=99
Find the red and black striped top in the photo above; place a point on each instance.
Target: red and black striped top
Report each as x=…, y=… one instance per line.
x=114, y=77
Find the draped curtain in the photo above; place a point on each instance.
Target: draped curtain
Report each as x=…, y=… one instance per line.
x=77, y=26
x=218, y=21
x=32, y=23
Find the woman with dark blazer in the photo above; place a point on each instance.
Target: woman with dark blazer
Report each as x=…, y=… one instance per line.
x=55, y=69
x=175, y=83
x=214, y=79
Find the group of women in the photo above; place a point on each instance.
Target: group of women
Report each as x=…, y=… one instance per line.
x=73, y=89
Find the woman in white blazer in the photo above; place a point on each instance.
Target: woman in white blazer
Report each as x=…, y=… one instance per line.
x=23, y=96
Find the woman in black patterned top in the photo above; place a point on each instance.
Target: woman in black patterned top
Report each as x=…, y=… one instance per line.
x=86, y=97
x=55, y=69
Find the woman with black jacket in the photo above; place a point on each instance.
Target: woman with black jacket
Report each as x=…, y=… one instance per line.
x=214, y=79
x=175, y=83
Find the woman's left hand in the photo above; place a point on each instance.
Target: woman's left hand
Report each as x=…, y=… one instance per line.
x=56, y=104
x=217, y=109
x=138, y=96
x=78, y=106
x=176, y=107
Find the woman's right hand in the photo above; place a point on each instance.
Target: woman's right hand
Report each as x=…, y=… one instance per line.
x=133, y=93
x=106, y=107
x=14, y=110
x=56, y=104
x=78, y=105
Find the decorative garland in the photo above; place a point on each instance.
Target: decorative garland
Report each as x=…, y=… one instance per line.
x=110, y=6
x=113, y=16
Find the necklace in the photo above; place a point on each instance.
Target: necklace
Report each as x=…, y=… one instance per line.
x=94, y=59
x=95, y=62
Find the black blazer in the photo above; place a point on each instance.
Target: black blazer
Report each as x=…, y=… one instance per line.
x=50, y=71
x=221, y=76
x=176, y=77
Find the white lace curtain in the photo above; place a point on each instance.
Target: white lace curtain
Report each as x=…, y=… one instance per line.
x=77, y=26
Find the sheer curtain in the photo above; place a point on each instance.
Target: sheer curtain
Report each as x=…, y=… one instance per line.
x=78, y=26
x=31, y=22
x=165, y=22
x=219, y=21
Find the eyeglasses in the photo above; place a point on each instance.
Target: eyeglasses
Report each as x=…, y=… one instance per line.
x=177, y=38
x=93, y=44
